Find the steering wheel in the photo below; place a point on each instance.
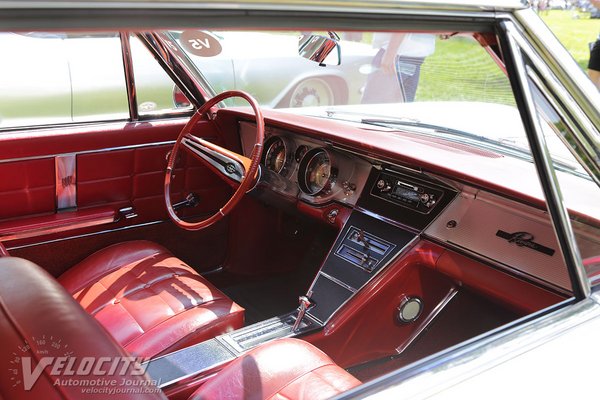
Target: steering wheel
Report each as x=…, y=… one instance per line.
x=228, y=165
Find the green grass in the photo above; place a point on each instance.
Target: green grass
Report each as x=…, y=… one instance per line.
x=575, y=31
x=461, y=70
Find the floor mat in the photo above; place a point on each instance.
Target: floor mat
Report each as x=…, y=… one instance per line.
x=268, y=296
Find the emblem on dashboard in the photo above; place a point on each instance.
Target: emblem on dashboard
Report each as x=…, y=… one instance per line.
x=524, y=239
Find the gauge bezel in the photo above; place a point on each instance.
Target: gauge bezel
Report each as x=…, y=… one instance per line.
x=303, y=172
x=268, y=145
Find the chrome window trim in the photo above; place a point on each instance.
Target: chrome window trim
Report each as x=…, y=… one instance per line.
x=178, y=66
x=590, y=142
x=129, y=76
x=543, y=161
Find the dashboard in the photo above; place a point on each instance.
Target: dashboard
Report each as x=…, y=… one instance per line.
x=315, y=174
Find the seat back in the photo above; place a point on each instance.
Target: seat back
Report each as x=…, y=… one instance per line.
x=52, y=349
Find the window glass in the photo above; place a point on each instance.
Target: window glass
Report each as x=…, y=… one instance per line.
x=58, y=78
x=35, y=81
x=580, y=193
x=156, y=91
x=98, y=77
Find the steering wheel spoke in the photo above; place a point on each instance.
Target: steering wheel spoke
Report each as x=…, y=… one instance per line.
x=225, y=163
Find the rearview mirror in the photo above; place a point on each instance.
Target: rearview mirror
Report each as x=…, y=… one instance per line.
x=321, y=49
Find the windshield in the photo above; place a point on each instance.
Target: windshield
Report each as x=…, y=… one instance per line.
x=445, y=85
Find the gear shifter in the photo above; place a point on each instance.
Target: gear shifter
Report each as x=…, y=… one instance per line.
x=305, y=303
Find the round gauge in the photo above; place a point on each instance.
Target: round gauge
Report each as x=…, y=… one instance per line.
x=300, y=152
x=315, y=172
x=275, y=156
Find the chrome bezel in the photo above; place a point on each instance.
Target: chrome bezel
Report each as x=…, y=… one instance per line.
x=303, y=179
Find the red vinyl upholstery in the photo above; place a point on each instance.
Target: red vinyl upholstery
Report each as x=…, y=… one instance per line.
x=36, y=311
x=150, y=301
x=282, y=369
x=39, y=319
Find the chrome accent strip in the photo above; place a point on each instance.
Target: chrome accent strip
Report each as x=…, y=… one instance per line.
x=339, y=282
x=107, y=149
x=65, y=172
x=427, y=321
x=129, y=76
x=34, y=232
x=25, y=246
x=543, y=163
x=228, y=166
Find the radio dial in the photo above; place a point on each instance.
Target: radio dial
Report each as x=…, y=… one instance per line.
x=383, y=186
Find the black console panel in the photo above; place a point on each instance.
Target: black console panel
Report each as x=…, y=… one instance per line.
x=363, y=248
x=409, y=198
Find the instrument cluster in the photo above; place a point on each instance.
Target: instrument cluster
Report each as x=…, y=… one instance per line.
x=316, y=172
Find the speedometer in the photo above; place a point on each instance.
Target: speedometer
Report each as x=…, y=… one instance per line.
x=315, y=174
x=276, y=154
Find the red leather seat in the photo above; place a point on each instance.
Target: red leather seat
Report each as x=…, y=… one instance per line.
x=282, y=369
x=38, y=320
x=150, y=301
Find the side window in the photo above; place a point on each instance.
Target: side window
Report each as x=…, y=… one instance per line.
x=97, y=78
x=36, y=87
x=56, y=78
x=156, y=92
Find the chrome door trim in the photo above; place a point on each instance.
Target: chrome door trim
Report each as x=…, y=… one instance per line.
x=124, y=228
x=543, y=161
x=107, y=149
x=65, y=171
x=58, y=228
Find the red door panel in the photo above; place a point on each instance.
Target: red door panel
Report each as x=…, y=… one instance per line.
x=26, y=188
x=117, y=165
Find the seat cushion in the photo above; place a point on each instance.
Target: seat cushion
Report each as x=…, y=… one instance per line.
x=151, y=302
x=40, y=321
x=282, y=369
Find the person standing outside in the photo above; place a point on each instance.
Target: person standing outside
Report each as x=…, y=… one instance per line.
x=397, y=66
x=594, y=62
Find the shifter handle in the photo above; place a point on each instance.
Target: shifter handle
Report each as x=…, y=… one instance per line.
x=305, y=303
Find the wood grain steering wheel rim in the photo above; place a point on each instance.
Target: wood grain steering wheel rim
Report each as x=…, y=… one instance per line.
x=228, y=165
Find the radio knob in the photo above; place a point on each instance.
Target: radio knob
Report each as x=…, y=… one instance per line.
x=383, y=186
x=424, y=198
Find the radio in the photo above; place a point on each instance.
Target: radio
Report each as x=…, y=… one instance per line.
x=406, y=192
